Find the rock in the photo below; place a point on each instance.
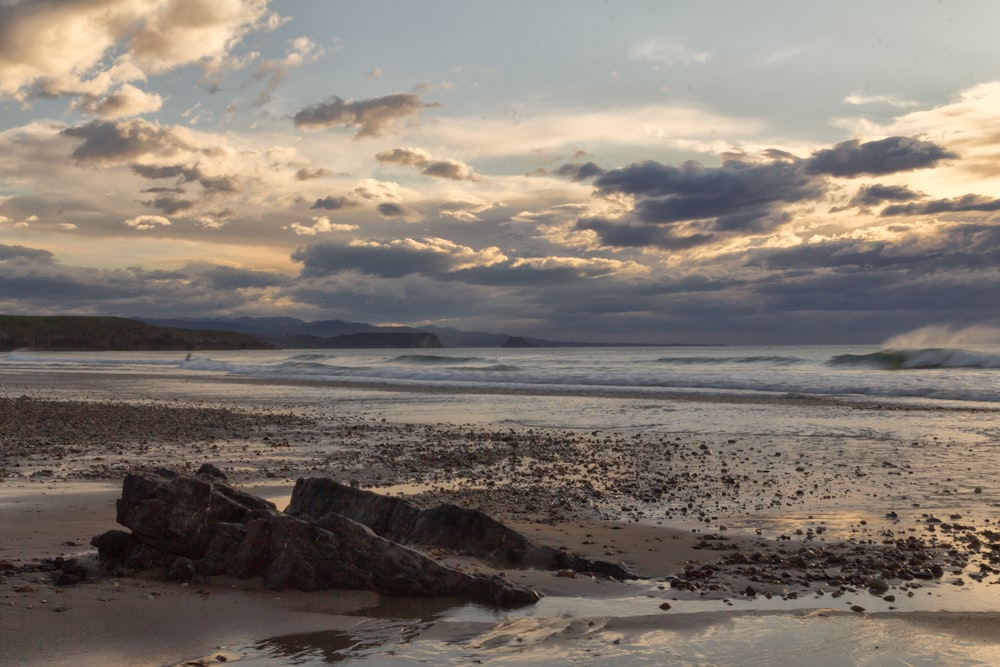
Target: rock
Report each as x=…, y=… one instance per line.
x=211, y=471
x=466, y=531
x=182, y=569
x=857, y=609
x=198, y=523
x=665, y=606
x=877, y=585
x=113, y=545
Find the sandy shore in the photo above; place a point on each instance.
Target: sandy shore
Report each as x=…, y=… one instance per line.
x=62, y=462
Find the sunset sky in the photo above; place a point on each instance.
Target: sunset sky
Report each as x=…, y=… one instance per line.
x=720, y=172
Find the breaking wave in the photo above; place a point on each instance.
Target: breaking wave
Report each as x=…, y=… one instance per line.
x=897, y=360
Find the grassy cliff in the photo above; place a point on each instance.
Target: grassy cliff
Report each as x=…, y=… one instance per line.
x=113, y=333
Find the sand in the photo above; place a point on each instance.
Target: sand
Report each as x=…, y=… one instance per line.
x=62, y=462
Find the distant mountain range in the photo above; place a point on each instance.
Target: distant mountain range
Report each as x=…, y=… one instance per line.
x=242, y=333
x=289, y=332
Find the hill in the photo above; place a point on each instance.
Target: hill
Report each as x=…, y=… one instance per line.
x=289, y=332
x=66, y=332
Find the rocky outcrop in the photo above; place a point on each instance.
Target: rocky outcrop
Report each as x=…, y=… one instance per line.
x=197, y=525
x=466, y=531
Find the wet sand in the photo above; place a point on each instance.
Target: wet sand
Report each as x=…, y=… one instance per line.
x=679, y=505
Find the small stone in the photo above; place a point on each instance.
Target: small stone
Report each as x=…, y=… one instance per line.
x=877, y=585
x=665, y=606
x=857, y=608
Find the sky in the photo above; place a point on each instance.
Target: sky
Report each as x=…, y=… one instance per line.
x=696, y=172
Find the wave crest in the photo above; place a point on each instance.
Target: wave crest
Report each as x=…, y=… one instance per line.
x=918, y=359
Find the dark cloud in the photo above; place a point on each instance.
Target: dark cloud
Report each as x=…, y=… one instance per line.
x=390, y=210
x=109, y=142
x=372, y=118
x=168, y=171
x=405, y=156
x=681, y=207
x=224, y=183
x=623, y=234
x=444, y=261
x=230, y=278
x=885, y=156
x=579, y=171
x=450, y=169
x=9, y=252
x=876, y=193
x=332, y=203
x=309, y=173
x=170, y=205
x=678, y=207
x=957, y=205
x=964, y=247
x=389, y=260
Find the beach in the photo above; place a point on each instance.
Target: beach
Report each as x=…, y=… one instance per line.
x=873, y=549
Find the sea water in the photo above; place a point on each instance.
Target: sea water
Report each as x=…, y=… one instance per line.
x=781, y=390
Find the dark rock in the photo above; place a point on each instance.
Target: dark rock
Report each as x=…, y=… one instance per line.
x=200, y=524
x=466, y=531
x=66, y=579
x=113, y=545
x=182, y=569
x=209, y=470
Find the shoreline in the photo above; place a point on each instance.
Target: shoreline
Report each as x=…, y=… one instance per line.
x=532, y=490
x=39, y=382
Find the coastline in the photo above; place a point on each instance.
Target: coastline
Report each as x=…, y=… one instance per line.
x=265, y=450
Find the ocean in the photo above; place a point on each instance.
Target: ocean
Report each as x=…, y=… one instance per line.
x=779, y=389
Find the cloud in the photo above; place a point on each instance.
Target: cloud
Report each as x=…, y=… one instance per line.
x=310, y=173
x=225, y=278
x=390, y=210
x=891, y=100
x=320, y=225
x=956, y=205
x=146, y=222
x=884, y=156
x=373, y=117
x=681, y=207
x=301, y=51
x=122, y=141
x=13, y=252
x=669, y=53
x=415, y=157
x=170, y=205
x=89, y=47
x=394, y=259
x=579, y=171
x=126, y=101
x=876, y=193
x=221, y=183
x=371, y=189
x=331, y=203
